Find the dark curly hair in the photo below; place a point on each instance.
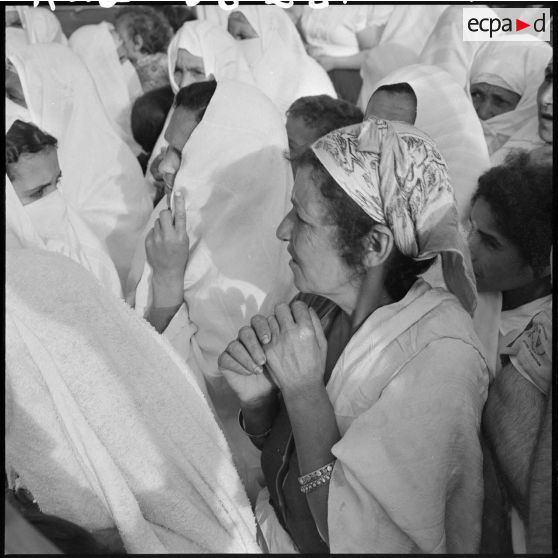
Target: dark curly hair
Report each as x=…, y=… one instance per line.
x=24, y=138
x=325, y=113
x=150, y=24
x=176, y=15
x=519, y=193
x=353, y=225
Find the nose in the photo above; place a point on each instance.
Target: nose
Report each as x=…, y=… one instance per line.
x=546, y=97
x=285, y=228
x=484, y=109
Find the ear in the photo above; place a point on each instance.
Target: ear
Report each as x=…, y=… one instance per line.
x=138, y=42
x=379, y=245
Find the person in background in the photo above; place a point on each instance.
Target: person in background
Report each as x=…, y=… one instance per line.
x=149, y=113
x=536, y=135
x=310, y=118
x=510, y=241
x=429, y=98
x=340, y=37
x=37, y=215
x=281, y=67
x=365, y=393
x=503, y=87
x=37, y=25
x=146, y=34
x=101, y=49
x=176, y=15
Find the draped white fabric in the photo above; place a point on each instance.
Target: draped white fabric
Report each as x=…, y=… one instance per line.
x=103, y=181
x=74, y=240
x=105, y=425
x=281, y=67
x=518, y=67
x=41, y=25
x=401, y=43
x=96, y=48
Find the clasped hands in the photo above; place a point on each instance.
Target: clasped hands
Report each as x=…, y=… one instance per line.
x=286, y=351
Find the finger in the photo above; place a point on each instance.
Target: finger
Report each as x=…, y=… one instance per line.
x=320, y=336
x=157, y=232
x=227, y=362
x=300, y=313
x=247, y=336
x=284, y=316
x=179, y=212
x=165, y=217
x=237, y=350
x=261, y=326
x=273, y=327
x=149, y=239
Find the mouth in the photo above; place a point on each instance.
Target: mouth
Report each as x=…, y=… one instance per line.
x=291, y=253
x=545, y=117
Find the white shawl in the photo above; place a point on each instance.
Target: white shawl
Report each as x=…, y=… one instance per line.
x=527, y=138
x=41, y=25
x=279, y=62
x=103, y=181
x=518, y=67
x=96, y=48
x=221, y=55
x=446, y=114
x=237, y=184
x=78, y=244
x=105, y=425
x=446, y=48
x=408, y=393
x=401, y=43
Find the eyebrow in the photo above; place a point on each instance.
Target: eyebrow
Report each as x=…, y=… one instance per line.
x=39, y=188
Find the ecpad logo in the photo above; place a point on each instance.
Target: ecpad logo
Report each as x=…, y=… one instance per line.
x=509, y=24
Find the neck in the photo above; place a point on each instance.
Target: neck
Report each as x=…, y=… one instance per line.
x=364, y=298
x=523, y=295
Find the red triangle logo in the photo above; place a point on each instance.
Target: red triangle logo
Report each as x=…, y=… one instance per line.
x=520, y=25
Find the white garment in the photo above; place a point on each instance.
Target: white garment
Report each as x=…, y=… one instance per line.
x=96, y=48
x=221, y=54
x=446, y=114
x=105, y=425
x=280, y=65
x=237, y=184
x=41, y=25
x=401, y=43
x=50, y=224
x=446, y=48
x=527, y=138
x=407, y=392
x=518, y=67
x=333, y=30
x=222, y=58
x=103, y=181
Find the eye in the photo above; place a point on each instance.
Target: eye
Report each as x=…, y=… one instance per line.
x=39, y=194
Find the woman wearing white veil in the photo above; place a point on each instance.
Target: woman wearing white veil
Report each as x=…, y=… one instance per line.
x=115, y=77
x=103, y=181
x=236, y=182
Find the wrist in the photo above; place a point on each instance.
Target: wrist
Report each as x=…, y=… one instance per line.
x=304, y=392
x=168, y=290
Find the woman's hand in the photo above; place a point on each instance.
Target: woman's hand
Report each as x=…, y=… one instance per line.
x=167, y=247
x=296, y=354
x=243, y=363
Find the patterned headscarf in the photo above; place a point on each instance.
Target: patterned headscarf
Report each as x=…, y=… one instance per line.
x=395, y=173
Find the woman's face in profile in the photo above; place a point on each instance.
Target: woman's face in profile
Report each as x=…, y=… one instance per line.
x=239, y=27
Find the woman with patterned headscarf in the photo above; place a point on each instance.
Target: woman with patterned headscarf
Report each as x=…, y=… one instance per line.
x=365, y=394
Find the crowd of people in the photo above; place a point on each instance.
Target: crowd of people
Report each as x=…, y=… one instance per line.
x=277, y=280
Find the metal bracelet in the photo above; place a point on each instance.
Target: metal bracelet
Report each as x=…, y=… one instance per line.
x=251, y=436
